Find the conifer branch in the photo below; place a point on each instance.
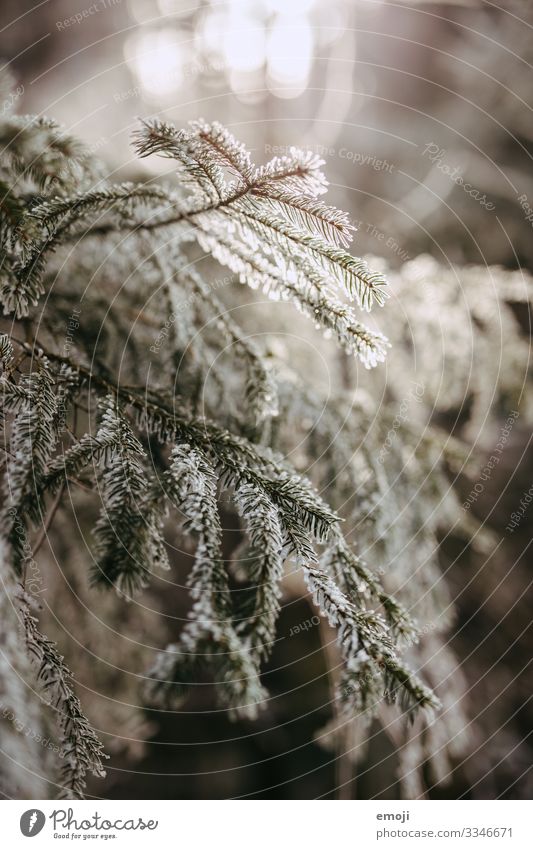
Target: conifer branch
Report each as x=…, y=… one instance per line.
x=367, y=650
x=265, y=558
x=129, y=531
x=83, y=752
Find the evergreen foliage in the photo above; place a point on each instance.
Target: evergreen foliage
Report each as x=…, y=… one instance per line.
x=139, y=440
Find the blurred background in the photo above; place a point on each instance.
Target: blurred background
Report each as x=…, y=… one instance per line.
x=423, y=114
x=350, y=79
